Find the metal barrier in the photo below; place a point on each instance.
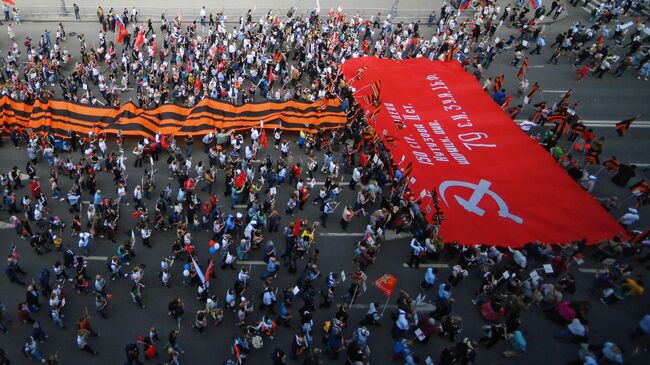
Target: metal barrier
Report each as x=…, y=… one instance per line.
x=88, y=13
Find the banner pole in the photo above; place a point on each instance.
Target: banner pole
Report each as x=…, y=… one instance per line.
x=599, y=171
x=626, y=199
x=354, y=295
x=361, y=88
x=385, y=305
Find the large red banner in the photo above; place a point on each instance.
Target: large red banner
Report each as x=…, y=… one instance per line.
x=495, y=184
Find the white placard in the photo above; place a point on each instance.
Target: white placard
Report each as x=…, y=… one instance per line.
x=420, y=334
x=534, y=275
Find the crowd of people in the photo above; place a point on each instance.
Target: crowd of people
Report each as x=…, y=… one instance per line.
x=235, y=195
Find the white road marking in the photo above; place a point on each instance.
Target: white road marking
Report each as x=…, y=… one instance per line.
x=639, y=164
x=340, y=182
x=343, y=234
x=244, y=262
x=607, y=123
x=537, y=66
x=588, y=270
x=423, y=307
x=555, y=91
x=388, y=235
x=438, y=266
x=96, y=258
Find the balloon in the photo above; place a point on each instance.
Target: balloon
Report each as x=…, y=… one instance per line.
x=110, y=296
x=211, y=243
x=587, y=146
x=213, y=250
x=577, y=146
x=186, y=273
x=186, y=266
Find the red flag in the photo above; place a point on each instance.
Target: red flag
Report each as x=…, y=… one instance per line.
x=240, y=179
x=263, y=141
x=270, y=76
x=188, y=248
x=121, y=29
x=10, y=2
x=139, y=40
x=518, y=224
x=296, y=228
x=386, y=284
x=123, y=32
x=154, y=46
x=209, y=271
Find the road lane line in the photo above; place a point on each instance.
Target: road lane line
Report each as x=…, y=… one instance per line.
x=96, y=258
x=438, y=266
x=252, y=262
x=344, y=234
x=607, y=123
x=423, y=307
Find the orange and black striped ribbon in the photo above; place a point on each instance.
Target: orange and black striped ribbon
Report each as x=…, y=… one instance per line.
x=612, y=164
x=622, y=127
x=498, y=83
x=376, y=89
x=533, y=90
x=521, y=73
x=566, y=97
x=60, y=117
x=592, y=158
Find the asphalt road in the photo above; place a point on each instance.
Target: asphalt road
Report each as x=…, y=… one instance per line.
x=601, y=100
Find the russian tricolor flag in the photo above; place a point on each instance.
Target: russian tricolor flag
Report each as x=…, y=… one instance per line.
x=464, y=4
x=536, y=3
x=122, y=31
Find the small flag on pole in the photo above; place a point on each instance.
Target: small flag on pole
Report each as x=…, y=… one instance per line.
x=623, y=126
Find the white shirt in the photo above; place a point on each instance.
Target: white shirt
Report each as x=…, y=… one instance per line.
x=402, y=323
x=629, y=218
x=577, y=328
x=84, y=239
x=519, y=258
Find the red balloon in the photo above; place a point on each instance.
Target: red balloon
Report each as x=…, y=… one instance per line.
x=587, y=146
x=577, y=146
x=211, y=243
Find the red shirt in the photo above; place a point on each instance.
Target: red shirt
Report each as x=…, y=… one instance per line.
x=189, y=184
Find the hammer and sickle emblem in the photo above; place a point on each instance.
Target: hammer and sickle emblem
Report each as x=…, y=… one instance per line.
x=478, y=192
